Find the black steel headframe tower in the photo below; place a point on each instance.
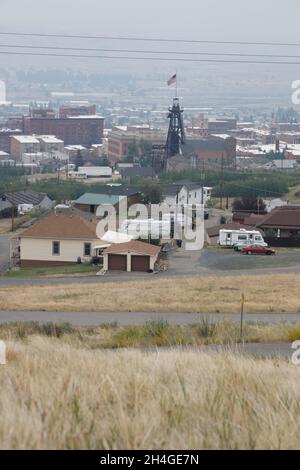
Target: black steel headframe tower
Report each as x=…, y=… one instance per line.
x=176, y=134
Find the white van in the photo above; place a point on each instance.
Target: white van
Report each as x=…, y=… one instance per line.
x=241, y=237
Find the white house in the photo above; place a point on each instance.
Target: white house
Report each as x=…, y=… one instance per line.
x=59, y=239
x=190, y=193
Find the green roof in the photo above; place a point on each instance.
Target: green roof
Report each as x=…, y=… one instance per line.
x=98, y=199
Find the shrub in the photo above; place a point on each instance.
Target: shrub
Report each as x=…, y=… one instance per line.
x=206, y=328
x=156, y=328
x=294, y=333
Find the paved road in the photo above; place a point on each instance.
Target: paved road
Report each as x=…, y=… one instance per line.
x=4, y=252
x=139, y=318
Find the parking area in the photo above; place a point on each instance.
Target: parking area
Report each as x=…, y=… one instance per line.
x=212, y=260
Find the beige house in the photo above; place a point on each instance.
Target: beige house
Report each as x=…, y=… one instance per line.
x=131, y=256
x=60, y=239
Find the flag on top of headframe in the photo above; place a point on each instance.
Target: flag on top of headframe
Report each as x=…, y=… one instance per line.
x=172, y=80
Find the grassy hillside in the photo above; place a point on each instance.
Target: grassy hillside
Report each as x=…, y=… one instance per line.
x=57, y=396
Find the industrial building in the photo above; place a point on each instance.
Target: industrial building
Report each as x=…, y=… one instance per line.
x=75, y=130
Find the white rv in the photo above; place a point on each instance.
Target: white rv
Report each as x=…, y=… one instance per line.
x=137, y=228
x=24, y=209
x=241, y=237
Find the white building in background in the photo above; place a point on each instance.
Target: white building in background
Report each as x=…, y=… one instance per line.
x=50, y=144
x=23, y=144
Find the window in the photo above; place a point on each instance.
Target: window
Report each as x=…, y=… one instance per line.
x=56, y=248
x=87, y=249
x=242, y=237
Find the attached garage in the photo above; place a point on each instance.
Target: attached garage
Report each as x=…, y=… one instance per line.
x=117, y=262
x=140, y=263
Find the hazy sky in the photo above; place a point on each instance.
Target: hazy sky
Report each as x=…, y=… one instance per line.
x=223, y=20
x=212, y=19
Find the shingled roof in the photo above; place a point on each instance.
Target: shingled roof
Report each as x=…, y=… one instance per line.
x=68, y=226
x=135, y=246
x=285, y=217
x=24, y=197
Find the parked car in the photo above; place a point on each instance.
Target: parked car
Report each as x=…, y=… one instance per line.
x=240, y=246
x=257, y=250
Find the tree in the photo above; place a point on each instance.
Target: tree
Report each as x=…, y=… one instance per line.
x=132, y=153
x=249, y=204
x=146, y=153
x=79, y=160
x=152, y=193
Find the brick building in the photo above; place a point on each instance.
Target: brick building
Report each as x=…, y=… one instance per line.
x=210, y=152
x=80, y=130
x=71, y=111
x=213, y=149
x=121, y=138
x=5, y=136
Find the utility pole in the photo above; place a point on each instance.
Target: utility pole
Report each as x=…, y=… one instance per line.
x=221, y=182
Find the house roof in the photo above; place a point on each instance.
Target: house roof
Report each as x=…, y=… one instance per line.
x=98, y=199
x=254, y=219
x=69, y=226
x=117, y=189
x=24, y=197
x=285, y=217
x=135, y=246
x=171, y=189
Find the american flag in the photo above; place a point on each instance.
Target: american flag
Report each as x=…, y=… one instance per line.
x=172, y=80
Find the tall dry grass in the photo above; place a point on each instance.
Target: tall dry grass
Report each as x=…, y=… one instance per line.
x=56, y=396
x=264, y=293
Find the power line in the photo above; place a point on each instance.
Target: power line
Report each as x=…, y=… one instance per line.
x=168, y=59
x=147, y=39
x=134, y=51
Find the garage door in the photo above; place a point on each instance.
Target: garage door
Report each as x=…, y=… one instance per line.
x=140, y=263
x=117, y=262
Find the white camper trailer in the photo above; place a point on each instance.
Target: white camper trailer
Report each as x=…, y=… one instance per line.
x=240, y=237
x=138, y=228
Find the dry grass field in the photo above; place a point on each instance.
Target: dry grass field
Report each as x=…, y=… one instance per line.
x=264, y=293
x=54, y=395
